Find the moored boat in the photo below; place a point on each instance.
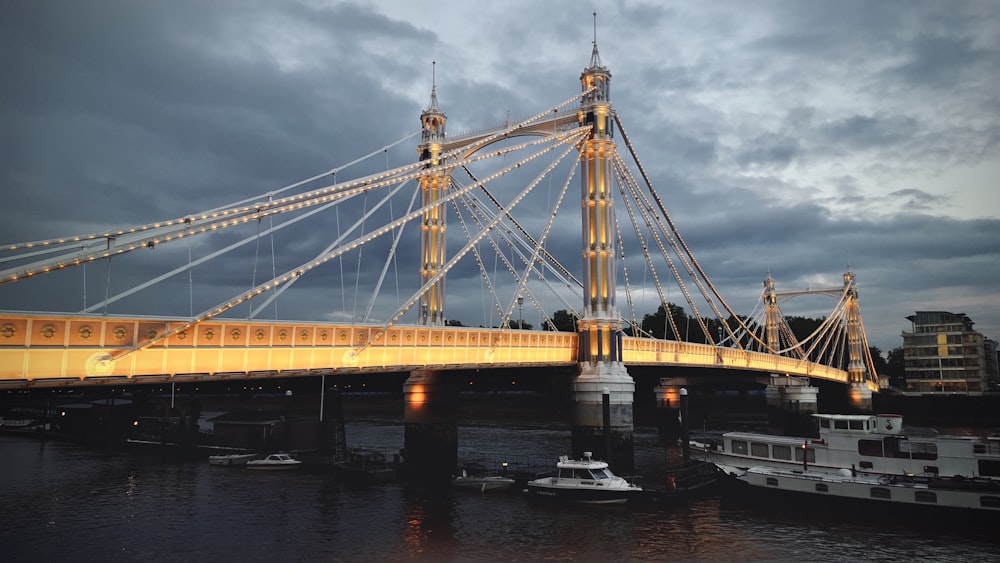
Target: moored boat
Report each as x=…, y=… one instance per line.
x=274, y=462
x=365, y=466
x=919, y=494
x=230, y=460
x=875, y=444
x=482, y=483
x=583, y=480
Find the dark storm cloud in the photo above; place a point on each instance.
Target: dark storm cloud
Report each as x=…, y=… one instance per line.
x=789, y=137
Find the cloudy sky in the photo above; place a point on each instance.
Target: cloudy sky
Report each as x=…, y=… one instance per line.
x=789, y=137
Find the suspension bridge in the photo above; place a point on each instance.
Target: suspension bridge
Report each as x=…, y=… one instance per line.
x=487, y=211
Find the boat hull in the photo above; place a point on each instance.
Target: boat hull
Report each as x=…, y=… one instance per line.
x=899, y=496
x=581, y=494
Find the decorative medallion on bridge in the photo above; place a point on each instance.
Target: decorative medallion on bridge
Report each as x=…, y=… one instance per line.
x=150, y=334
x=8, y=331
x=120, y=333
x=100, y=364
x=86, y=332
x=182, y=335
x=282, y=334
x=304, y=335
x=343, y=336
x=235, y=334
x=259, y=334
x=48, y=331
x=209, y=334
x=361, y=337
x=323, y=336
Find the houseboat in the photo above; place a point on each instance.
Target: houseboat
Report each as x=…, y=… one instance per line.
x=875, y=444
x=909, y=493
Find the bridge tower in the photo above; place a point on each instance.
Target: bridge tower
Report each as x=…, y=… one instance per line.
x=430, y=396
x=791, y=401
x=859, y=395
x=433, y=186
x=601, y=369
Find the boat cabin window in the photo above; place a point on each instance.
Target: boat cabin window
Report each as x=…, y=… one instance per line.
x=810, y=455
x=772, y=482
x=600, y=473
x=758, y=450
x=840, y=424
x=906, y=449
x=857, y=424
x=866, y=465
x=897, y=448
x=989, y=468
x=824, y=423
x=987, y=501
x=781, y=452
x=822, y=488
x=739, y=447
x=870, y=448
x=881, y=492
x=925, y=496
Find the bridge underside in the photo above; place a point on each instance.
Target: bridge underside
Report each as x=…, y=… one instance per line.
x=50, y=350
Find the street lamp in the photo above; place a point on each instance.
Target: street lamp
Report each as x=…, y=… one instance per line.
x=520, y=301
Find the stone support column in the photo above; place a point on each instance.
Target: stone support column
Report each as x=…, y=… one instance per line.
x=430, y=425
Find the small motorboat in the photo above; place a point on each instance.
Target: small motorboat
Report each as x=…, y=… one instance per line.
x=274, y=461
x=365, y=466
x=583, y=480
x=230, y=460
x=482, y=483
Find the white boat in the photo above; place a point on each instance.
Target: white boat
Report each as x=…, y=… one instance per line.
x=583, y=480
x=914, y=494
x=273, y=462
x=874, y=444
x=230, y=460
x=482, y=483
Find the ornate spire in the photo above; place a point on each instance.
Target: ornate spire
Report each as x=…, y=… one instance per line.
x=595, y=57
x=434, y=96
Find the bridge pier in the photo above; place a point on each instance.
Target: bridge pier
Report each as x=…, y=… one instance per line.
x=791, y=402
x=430, y=419
x=859, y=397
x=668, y=405
x=588, y=431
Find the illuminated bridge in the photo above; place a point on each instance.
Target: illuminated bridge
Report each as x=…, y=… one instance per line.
x=487, y=211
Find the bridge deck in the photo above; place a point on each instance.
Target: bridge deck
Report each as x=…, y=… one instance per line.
x=51, y=350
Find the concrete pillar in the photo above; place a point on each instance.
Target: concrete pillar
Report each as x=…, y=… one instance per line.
x=668, y=410
x=859, y=396
x=791, y=402
x=588, y=433
x=430, y=425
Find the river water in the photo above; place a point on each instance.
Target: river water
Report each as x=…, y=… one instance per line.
x=62, y=502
